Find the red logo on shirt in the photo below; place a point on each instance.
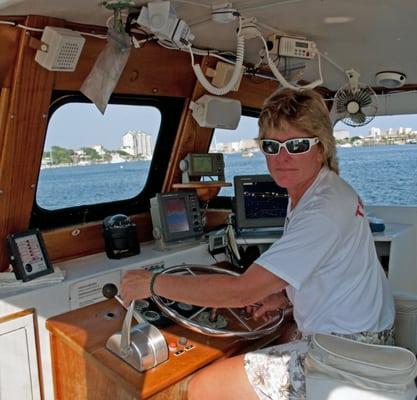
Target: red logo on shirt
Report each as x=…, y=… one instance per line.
x=360, y=212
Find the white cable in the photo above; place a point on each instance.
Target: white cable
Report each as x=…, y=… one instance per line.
x=29, y=28
x=279, y=76
x=96, y=35
x=269, y=4
x=329, y=60
x=193, y=3
x=271, y=28
x=8, y=23
x=236, y=72
x=211, y=53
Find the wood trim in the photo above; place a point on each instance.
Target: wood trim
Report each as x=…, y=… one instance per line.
x=17, y=315
x=84, y=368
x=4, y=106
x=81, y=240
x=144, y=73
x=8, y=50
x=25, y=124
x=193, y=138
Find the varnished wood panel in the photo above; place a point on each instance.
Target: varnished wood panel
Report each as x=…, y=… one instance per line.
x=4, y=108
x=85, y=369
x=150, y=70
x=254, y=90
x=81, y=240
x=23, y=140
x=8, y=49
x=16, y=315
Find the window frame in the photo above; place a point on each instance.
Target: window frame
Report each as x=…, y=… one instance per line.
x=227, y=202
x=171, y=109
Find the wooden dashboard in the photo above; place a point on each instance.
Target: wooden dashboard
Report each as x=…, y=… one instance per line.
x=84, y=369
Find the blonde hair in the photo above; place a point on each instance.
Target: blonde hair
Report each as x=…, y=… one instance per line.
x=304, y=110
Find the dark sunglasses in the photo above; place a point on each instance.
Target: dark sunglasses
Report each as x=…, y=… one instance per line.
x=293, y=146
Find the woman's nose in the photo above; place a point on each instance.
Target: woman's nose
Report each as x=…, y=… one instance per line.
x=282, y=154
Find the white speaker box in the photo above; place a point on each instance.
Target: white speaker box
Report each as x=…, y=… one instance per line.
x=216, y=112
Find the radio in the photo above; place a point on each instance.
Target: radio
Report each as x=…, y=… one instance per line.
x=290, y=47
x=198, y=165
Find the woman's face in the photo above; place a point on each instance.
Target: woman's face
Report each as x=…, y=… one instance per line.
x=295, y=172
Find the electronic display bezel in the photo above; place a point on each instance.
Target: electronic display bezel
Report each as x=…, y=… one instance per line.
x=242, y=220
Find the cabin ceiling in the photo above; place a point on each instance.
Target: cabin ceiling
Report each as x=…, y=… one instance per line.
x=377, y=35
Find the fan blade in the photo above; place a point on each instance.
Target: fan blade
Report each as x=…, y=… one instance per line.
x=363, y=97
x=359, y=117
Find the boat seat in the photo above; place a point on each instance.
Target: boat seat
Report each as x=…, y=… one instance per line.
x=406, y=320
x=342, y=369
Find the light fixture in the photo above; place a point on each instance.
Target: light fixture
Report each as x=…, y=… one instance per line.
x=338, y=20
x=390, y=79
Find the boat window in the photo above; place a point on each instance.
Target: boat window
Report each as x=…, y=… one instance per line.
x=240, y=151
x=379, y=159
x=94, y=165
x=91, y=158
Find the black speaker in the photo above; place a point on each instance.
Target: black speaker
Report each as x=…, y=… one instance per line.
x=120, y=237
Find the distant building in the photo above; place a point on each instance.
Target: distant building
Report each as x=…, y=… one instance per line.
x=99, y=149
x=246, y=144
x=137, y=143
x=232, y=147
x=341, y=134
x=375, y=132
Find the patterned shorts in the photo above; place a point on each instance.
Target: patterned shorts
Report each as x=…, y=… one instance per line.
x=277, y=372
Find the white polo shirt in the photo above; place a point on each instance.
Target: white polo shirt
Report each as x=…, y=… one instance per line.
x=328, y=257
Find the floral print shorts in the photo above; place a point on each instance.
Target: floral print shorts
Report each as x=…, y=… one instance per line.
x=277, y=372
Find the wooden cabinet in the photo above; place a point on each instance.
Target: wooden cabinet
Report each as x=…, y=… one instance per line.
x=19, y=377
x=85, y=369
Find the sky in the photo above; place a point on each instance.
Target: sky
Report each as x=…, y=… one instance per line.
x=79, y=125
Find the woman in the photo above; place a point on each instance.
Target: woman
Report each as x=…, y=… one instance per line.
x=325, y=262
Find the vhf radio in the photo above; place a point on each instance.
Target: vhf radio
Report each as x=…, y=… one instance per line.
x=198, y=165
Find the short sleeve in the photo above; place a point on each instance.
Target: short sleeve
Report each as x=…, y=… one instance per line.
x=309, y=242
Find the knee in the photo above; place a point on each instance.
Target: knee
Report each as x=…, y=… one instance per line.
x=194, y=389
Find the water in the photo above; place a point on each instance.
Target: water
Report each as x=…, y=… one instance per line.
x=383, y=175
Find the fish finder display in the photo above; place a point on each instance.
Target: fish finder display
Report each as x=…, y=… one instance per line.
x=176, y=215
x=264, y=200
x=259, y=202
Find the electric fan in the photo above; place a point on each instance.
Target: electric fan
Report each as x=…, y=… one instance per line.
x=355, y=104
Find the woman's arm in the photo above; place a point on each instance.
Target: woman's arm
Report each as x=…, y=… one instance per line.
x=204, y=290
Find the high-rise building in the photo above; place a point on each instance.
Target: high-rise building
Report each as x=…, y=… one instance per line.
x=137, y=143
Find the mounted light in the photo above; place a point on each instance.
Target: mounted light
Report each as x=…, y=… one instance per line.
x=390, y=79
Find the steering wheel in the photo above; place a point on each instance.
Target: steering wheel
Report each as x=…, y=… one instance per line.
x=196, y=323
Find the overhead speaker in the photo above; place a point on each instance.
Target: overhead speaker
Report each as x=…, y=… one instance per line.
x=216, y=112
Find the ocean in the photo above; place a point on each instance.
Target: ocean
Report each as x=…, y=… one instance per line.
x=382, y=175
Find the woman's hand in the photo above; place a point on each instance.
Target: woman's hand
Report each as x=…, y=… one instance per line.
x=135, y=285
x=270, y=303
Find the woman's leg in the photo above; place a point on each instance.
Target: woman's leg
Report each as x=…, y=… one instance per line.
x=223, y=380
x=275, y=372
